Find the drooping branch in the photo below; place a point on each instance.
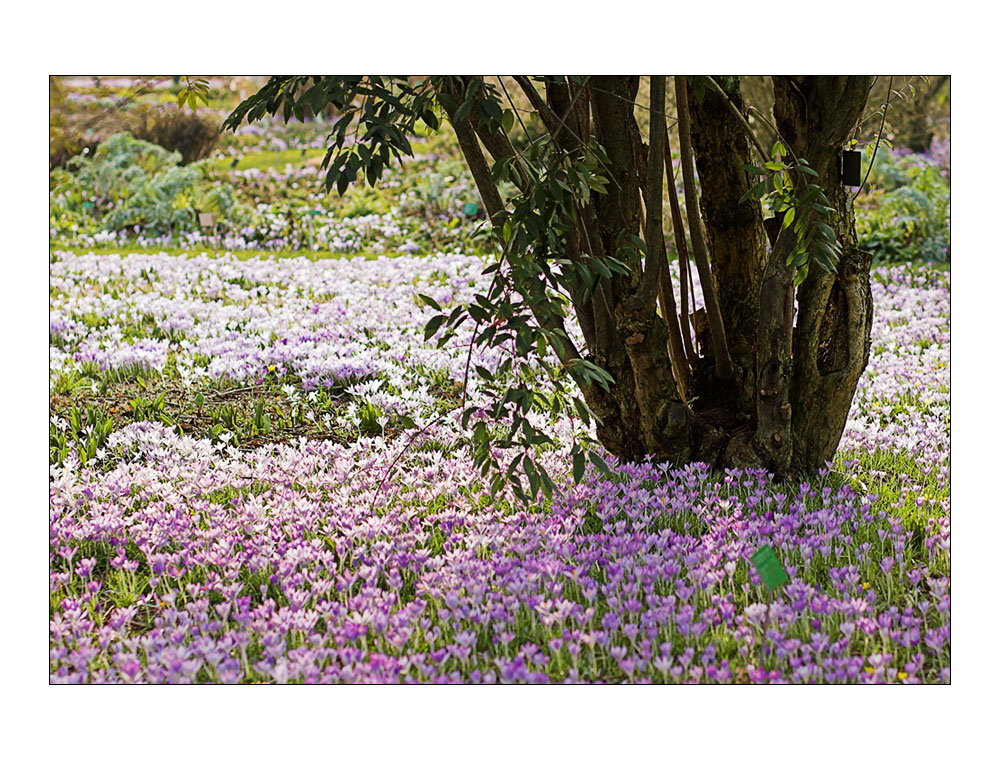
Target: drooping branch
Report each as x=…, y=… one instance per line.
x=723, y=362
x=480, y=170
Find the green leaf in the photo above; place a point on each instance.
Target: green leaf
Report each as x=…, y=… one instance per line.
x=800, y=275
x=433, y=325
x=756, y=192
x=579, y=463
x=533, y=479
x=429, y=301
x=598, y=265
x=546, y=482
x=508, y=121
x=463, y=111
x=599, y=463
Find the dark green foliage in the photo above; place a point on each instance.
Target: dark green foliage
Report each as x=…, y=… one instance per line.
x=907, y=216
x=534, y=282
x=802, y=205
x=386, y=109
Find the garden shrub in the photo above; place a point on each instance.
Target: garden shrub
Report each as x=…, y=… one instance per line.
x=190, y=134
x=135, y=183
x=906, y=216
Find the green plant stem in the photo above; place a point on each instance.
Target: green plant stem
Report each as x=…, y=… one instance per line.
x=885, y=110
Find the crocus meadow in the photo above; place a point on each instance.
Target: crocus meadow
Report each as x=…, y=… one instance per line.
x=375, y=554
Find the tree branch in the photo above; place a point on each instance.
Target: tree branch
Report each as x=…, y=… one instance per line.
x=723, y=362
x=654, y=196
x=552, y=122
x=682, y=251
x=500, y=147
x=656, y=278
x=495, y=210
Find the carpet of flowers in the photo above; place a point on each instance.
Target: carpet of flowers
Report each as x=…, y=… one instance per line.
x=377, y=555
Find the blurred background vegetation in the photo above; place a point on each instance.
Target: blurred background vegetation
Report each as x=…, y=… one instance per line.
x=130, y=167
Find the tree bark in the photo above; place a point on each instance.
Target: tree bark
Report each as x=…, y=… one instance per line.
x=795, y=381
x=735, y=230
x=832, y=336
x=663, y=418
x=723, y=361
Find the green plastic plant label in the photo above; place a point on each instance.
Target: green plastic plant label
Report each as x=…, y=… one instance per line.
x=470, y=209
x=770, y=569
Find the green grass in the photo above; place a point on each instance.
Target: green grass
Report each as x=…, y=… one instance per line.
x=271, y=159
x=888, y=475
x=281, y=253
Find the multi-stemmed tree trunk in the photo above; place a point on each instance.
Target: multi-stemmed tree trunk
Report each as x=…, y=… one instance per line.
x=765, y=373
x=792, y=359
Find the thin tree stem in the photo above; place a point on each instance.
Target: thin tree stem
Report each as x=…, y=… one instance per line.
x=656, y=278
x=682, y=251
x=723, y=362
x=654, y=195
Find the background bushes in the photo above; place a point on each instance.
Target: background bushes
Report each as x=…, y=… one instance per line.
x=132, y=183
x=192, y=135
x=906, y=215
